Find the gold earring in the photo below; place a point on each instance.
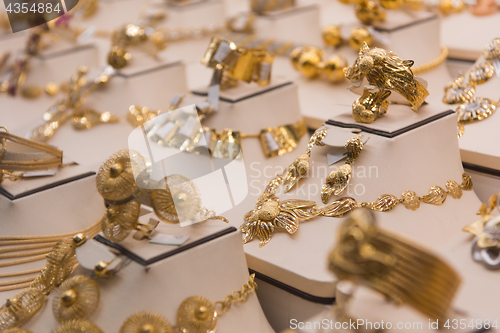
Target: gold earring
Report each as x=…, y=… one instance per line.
x=338, y=180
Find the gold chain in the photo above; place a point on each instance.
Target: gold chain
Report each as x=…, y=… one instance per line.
x=238, y=296
x=433, y=63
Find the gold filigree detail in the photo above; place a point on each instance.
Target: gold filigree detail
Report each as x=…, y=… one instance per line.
x=146, y=322
x=196, y=315
x=77, y=326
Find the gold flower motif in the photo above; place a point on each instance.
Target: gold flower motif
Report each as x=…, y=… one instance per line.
x=411, y=200
x=272, y=214
x=454, y=189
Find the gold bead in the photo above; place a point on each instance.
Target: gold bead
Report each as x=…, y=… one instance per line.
x=202, y=312
x=333, y=68
x=309, y=62
x=101, y=268
x=79, y=239
x=295, y=57
x=115, y=170
x=147, y=328
x=358, y=36
x=118, y=57
x=331, y=36
x=391, y=4
x=369, y=12
x=51, y=88
x=68, y=297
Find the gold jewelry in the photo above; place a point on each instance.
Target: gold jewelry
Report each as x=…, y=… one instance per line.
x=338, y=180
x=271, y=213
x=387, y=72
x=462, y=90
x=61, y=261
x=486, y=243
x=309, y=62
x=368, y=12
x=78, y=299
x=194, y=315
x=392, y=266
x=174, y=199
x=358, y=36
x=234, y=63
x=433, y=63
x=46, y=157
x=268, y=6
x=275, y=141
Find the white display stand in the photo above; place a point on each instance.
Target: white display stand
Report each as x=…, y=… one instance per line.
x=195, y=15
x=212, y=266
x=112, y=14
x=302, y=20
x=465, y=35
x=67, y=208
x=406, y=156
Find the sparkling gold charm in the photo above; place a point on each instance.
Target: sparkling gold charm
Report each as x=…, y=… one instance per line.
x=369, y=11
x=331, y=36
x=338, y=180
x=359, y=36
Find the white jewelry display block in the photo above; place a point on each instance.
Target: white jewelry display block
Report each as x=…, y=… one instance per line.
x=298, y=24
x=112, y=14
x=466, y=35
x=393, y=161
x=202, y=14
x=212, y=265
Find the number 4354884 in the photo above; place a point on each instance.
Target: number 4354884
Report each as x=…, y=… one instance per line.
x=473, y=324
x=39, y=7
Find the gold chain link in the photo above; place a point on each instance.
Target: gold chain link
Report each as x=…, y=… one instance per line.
x=238, y=296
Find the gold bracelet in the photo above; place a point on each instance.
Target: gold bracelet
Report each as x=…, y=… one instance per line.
x=392, y=266
x=46, y=157
x=271, y=213
x=387, y=72
x=433, y=63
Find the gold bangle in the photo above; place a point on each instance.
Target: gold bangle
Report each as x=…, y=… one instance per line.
x=271, y=213
x=392, y=266
x=387, y=72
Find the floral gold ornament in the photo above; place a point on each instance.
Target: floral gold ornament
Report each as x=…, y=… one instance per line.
x=462, y=90
x=338, y=180
x=486, y=244
x=309, y=62
x=271, y=213
x=382, y=261
x=387, y=72
x=78, y=299
x=18, y=165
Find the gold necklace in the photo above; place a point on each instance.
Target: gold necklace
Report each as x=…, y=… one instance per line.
x=271, y=213
x=35, y=248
